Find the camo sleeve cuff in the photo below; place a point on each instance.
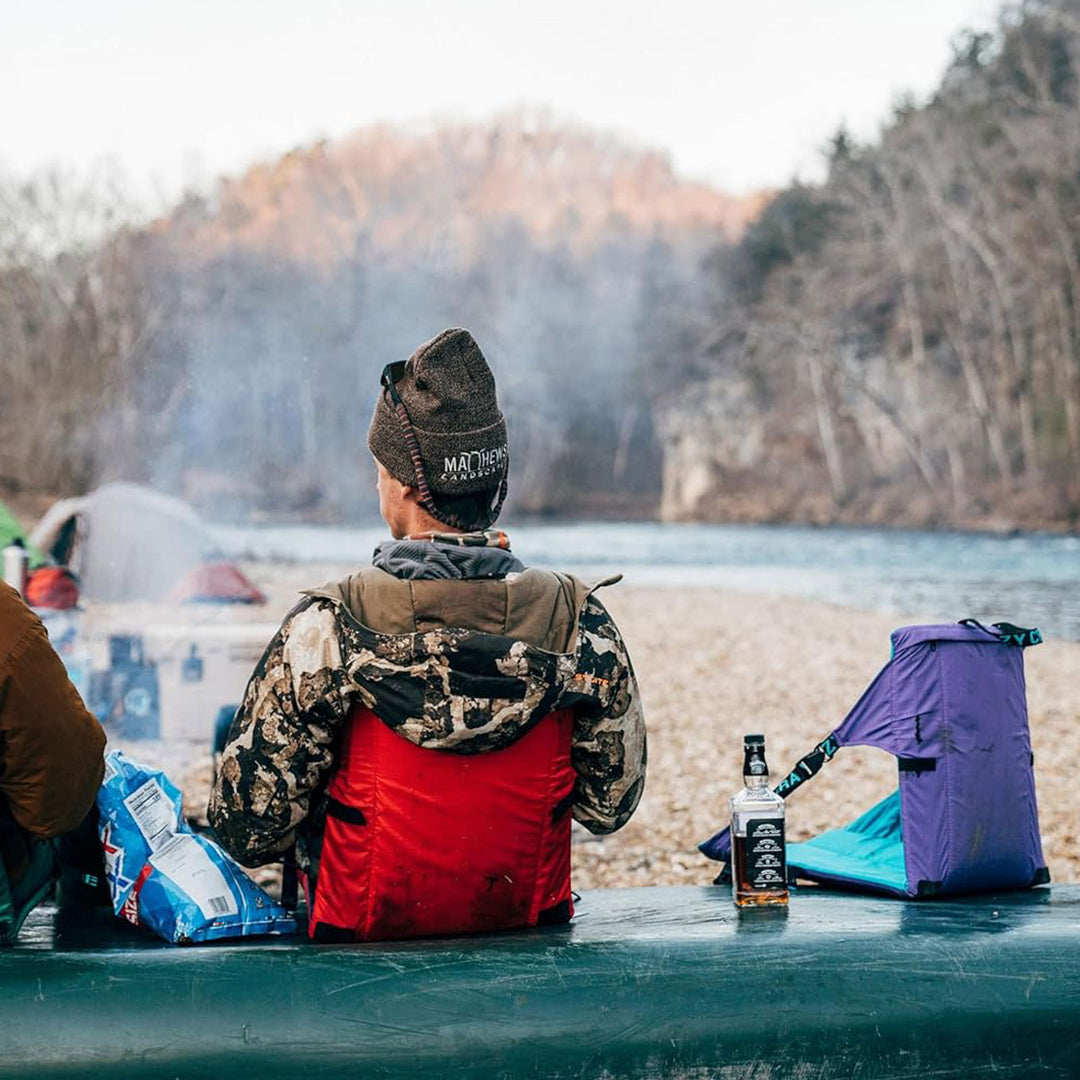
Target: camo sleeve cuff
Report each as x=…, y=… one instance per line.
x=280, y=747
x=609, y=746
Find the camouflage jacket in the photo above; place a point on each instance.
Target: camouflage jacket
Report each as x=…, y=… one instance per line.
x=534, y=642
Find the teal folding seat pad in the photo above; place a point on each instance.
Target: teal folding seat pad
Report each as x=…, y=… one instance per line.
x=868, y=851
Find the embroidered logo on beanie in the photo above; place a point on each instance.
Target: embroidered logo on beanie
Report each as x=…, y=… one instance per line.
x=474, y=465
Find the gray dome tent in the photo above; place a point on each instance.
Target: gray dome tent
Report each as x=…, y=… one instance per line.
x=126, y=542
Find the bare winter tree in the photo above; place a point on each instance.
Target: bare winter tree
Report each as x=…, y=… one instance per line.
x=80, y=321
x=914, y=319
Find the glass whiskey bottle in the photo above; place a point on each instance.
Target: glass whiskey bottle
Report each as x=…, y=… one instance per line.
x=758, y=851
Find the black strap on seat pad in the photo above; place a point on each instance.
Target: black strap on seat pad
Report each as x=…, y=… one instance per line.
x=807, y=766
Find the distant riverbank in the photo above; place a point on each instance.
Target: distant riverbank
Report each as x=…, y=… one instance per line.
x=912, y=516
x=1028, y=579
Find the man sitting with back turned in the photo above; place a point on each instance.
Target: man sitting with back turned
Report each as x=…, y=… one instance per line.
x=424, y=730
x=51, y=760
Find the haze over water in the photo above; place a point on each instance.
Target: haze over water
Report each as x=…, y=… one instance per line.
x=1030, y=579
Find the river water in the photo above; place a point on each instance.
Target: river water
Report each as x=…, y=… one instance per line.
x=1030, y=580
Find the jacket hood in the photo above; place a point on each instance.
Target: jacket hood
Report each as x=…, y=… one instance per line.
x=463, y=665
x=424, y=559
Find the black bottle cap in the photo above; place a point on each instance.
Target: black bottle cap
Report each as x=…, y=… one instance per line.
x=753, y=740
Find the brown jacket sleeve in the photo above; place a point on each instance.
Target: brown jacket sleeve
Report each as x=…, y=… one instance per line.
x=51, y=747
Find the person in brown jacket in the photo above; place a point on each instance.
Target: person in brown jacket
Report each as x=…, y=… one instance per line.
x=51, y=759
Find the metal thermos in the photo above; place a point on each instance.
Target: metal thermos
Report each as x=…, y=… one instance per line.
x=16, y=566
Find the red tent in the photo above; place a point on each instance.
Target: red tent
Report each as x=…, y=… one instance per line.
x=216, y=583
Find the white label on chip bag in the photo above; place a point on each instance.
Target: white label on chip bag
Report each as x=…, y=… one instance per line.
x=153, y=812
x=186, y=862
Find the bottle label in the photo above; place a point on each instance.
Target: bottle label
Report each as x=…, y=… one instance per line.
x=754, y=761
x=766, y=863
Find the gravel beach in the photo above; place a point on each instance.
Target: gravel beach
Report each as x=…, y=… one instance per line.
x=713, y=665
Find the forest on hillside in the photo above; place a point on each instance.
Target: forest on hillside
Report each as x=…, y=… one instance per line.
x=902, y=342
x=231, y=350
x=898, y=344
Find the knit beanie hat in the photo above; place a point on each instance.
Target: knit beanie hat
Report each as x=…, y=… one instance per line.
x=437, y=425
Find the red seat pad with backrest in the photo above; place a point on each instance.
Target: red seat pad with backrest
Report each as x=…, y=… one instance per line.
x=421, y=842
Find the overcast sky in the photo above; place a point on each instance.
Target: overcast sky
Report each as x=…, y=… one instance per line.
x=742, y=94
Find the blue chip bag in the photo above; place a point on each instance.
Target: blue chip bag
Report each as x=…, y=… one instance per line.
x=164, y=876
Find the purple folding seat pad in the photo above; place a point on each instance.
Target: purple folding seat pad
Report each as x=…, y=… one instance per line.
x=951, y=706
